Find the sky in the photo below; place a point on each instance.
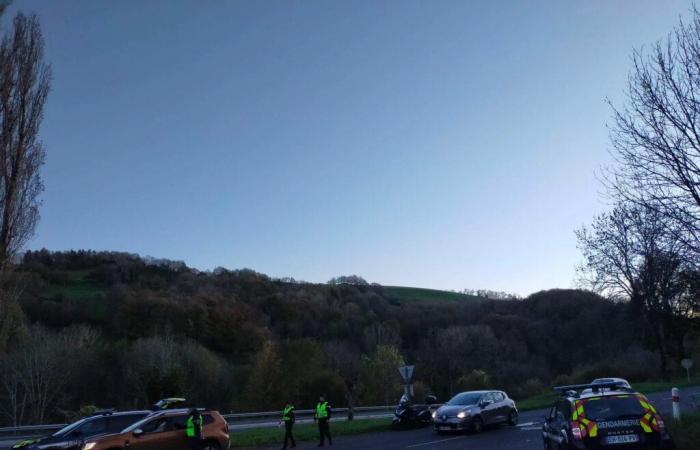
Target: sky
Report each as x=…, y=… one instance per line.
x=441, y=144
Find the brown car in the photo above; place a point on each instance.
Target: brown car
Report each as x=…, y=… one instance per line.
x=165, y=430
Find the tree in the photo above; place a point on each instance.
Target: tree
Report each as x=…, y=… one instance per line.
x=380, y=376
x=630, y=254
x=656, y=135
x=24, y=86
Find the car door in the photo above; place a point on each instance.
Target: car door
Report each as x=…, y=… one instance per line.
x=558, y=424
x=157, y=434
x=180, y=425
x=489, y=408
x=501, y=406
x=547, y=427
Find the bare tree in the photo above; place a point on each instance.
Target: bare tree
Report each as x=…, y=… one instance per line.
x=656, y=135
x=630, y=254
x=24, y=85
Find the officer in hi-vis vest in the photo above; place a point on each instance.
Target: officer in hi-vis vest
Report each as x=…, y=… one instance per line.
x=288, y=418
x=193, y=429
x=323, y=416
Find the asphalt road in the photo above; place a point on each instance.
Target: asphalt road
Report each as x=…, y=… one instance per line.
x=526, y=436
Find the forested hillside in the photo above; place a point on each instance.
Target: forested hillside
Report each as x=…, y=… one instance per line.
x=116, y=330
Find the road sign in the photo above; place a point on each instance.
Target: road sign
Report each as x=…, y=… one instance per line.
x=687, y=363
x=406, y=373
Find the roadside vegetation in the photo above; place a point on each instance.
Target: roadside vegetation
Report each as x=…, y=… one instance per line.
x=306, y=432
x=686, y=433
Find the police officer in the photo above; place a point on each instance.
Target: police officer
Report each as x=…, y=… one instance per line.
x=323, y=416
x=193, y=429
x=288, y=418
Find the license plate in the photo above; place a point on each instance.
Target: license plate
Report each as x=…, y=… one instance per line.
x=622, y=439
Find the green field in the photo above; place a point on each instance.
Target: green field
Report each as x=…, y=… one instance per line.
x=306, y=432
x=77, y=286
x=420, y=294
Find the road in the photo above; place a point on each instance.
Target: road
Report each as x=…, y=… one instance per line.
x=526, y=436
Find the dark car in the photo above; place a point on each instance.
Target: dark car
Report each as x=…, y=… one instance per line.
x=600, y=416
x=72, y=436
x=474, y=410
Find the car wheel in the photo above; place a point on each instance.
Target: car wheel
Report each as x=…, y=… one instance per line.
x=513, y=418
x=477, y=425
x=210, y=445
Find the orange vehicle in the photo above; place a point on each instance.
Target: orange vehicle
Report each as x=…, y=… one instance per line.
x=165, y=430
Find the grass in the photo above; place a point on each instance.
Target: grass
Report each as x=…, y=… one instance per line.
x=686, y=433
x=306, y=432
x=421, y=294
x=76, y=287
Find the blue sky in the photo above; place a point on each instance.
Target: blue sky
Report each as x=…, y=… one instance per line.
x=437, y=144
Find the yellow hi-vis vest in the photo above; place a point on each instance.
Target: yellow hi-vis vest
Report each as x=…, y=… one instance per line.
x=287, y=413
x=322, y=410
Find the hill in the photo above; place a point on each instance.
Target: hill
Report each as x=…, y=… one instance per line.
x=238, y=339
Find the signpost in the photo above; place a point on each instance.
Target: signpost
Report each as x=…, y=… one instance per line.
x=687, y=363
x=407, y=375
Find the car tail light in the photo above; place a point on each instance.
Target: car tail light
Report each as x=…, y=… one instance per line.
x=660, y=423
x=576, y=431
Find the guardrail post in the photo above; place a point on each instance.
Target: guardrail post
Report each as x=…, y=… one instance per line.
x=676, y=402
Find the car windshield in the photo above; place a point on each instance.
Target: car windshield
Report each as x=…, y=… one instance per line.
x=465, y=398
x=603, y=408
x=70, y=427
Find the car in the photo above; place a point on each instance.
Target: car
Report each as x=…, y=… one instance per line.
x=604, y=415
x=165, y=430
x=72, y=436
x=474, y=410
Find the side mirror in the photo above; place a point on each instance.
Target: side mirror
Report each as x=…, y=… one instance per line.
x=137, y=432
x=430, y=400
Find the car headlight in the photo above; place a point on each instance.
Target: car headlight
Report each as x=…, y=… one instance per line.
x=462, y=415
x=434, y=414
x=89, y=445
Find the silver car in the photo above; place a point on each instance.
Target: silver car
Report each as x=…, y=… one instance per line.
x=474, y=410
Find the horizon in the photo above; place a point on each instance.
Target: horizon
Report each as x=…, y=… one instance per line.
x=445, y=147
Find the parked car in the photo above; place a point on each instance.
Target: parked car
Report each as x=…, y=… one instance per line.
x=72, y=436
x=604, y=415
x=475, y=410
x=165, y=430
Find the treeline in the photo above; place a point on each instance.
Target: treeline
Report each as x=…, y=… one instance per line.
x=115, y=330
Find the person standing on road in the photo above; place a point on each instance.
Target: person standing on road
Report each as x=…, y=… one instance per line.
x=193, y=429
x=288, y=417
x=323, y=417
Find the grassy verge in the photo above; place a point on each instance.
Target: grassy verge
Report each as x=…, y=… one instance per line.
x=686, y=434
x=306, y=432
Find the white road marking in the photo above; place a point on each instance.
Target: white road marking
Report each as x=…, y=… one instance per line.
x=435, y=442
x=526, y=424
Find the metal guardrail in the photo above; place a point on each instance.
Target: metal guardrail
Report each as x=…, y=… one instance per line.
x=306, y=412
